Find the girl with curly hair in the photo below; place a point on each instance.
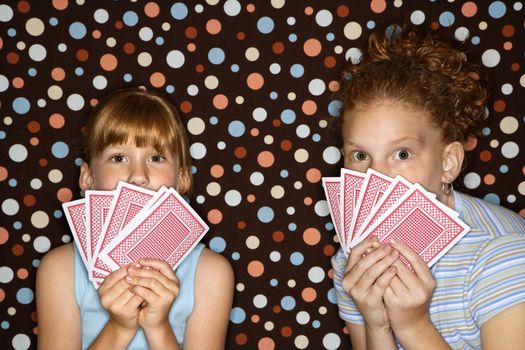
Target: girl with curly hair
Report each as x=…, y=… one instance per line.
x=409, y=105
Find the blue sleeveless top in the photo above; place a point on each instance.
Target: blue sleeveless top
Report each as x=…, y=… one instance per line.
x=94, y=317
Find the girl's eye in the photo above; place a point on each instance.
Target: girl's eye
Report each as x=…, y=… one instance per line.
x=117, y=158
x=157, y=158
x=403, y=154
x=359, y=156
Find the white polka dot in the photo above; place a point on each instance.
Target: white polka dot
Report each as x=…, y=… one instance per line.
x=316, y=274
x=100, y=82
x=252, y=242
x=55, y=92
x=21, y=342
x=277, y=192
x=331, y=341
x=211, y=82
x=260, y=301
x=259, y=114
x=213, y=189
x=251, y=54
x=55, y=176
x=256, y=178
x=461, y=34
x=301, y=155
x=42, y=244
x=232, y=7
x=316, y=87
x=6, y=274
x=324, y=18
x=510, y=149
x=472, y=180
x=354, y=55
x=491, y=58
x=17, y=153
x=175, y=59
x=36, y=184
x=331, y=155
x=302, y=131
x=37, y=52
x=197, y=150
x=233, y=198
x=6, y=13
x=35, y=26
x=144, y=59
x=301, y=342
x=417, y=17
x=509, y=125
x=521, y=188
x=507, y=89
x=302, y=317
x=10, y=207
x=75, y=102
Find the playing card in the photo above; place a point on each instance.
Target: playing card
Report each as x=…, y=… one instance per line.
x=397, y=188
x=170, y=221
x=351, y=182
x=128, y=201
x=423, y=223
x=332, y=191
x=374, y=186
x=75, y=212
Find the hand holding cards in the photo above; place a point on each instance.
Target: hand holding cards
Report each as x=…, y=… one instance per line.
x=114, y=228
x=365, y=204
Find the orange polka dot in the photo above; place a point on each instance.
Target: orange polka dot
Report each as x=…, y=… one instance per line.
x=255, y=318
x=17, y=250
x=34, y=141
x=250, y=198
x=3, y=173
x=434, y=25
x=507, y=45
x=214, y=216
x=23, y=6
x=96, y=34
x=469, y=9
x=499, y=106
x=276, y=123
x=241, y=338
x=312, y=47
x=34, y=316
x=18, y=82
x=276, y=309
x=254, y=132
x=309, y=294
x=241, y=225
x=485, y=156
x=157, y=79
x=4, y=235
x=82, y=55
x=241, y=36
x=265, y=159
x=12, y=58
x=308, y=10
x=42, y=162
x=309, y=107
x=255, y=268
x=378, y=6
x=250, y=8
x=313, y=175
x=213, y=26
x=151, y=9
x=199, y=68
x=64, y=195
x=470, y=144
x=255, y=81
x=286, y=145
x=328, y=250
x=128, y=48
x=191, y=32
x=521, y=212
x=108, y=62
x=220, y=101
x=191, y=47
x=343, y=11
x=186, y=106
x=60, y=4
x=33, y=126
x=217, y=171
x=489, y=179
x=22, y=273
x=240, y=152
x=508, y=30
x=58, y=73
x=2, y=294
x=278, y=236
x=515, y=67
x=334, y=86
x=278, y=47
x=311, y=236
x=329, y=62
x=307, y=201
x=286, y=331
x=29, y=200
x=56, y=121
x=266, y=343
x=119, y=25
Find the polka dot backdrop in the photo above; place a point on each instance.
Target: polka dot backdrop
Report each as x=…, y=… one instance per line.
x=255, y=84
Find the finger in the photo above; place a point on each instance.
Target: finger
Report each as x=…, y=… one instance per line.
x=360, y=249
x=383, y=281
x=160, y=265
x=375, y=264
x=416, y=262
x=153, y=280
x=113, y=278
x=147, y=272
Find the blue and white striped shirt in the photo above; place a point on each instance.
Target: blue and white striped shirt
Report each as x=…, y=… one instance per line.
x=481, y=276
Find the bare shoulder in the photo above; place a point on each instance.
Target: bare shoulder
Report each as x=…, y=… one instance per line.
x=213, y=269
x=61, y=258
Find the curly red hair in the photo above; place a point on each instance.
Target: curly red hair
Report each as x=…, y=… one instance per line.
x=417, y=69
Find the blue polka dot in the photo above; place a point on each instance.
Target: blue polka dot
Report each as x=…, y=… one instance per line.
x=53, y=21
x=236, y=256
x=11, y=32
x=274, y=282
x=57, y=214
x=25, y=296
x=32, y=72
x=288, y=116
x=331, y=296
x=214, y=120
x=130, y=18
x=497, y=9
x=60, y=149
x=475, y=40
x=329, y=226
x=316, y=324
x=77, y=30
x=13, y=182
x=296, y=258
x=193, y=169
x=265, y=25
x=79, y=71
x=316, y=137
x=297, y=70
x=392, y=30
x=236, y=128
x=217, y=244
x=274, y=95
x=159, y=41
x=446, y=19
x=36, y=263
x=284, y=173
x=235, y=68
x=79, y=161
x=237, y=315
x=179, y=11
x=503, y=169
x=292, y=226
x=492, y=197
x=288, y=303
x=17, y=225
x=485, y=131
x=2, y=135
x=4, y=325
x=21, y=105
x=216, y=55
x=265, y=214
x=170, y=89
x=334, y=108
x=292, y=38
x=370, y=24
x=237, y=168
x=128, y=77
x=330, y=36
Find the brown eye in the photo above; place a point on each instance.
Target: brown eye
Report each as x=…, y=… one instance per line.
x=359, y=156
x=403, y=154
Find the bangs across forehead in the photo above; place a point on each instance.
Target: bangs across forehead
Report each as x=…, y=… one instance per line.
x=140, y=122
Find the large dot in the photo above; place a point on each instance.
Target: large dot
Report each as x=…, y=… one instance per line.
x=472, y=180
x=18, y=153
x=331, y=155
x=175, y=59
x=509, y=125
x=510, y=149
x=316, y=274
x=352, y=30
x=491, y=58
x=265, y=214
x=39, y=219
x=60, y=149
x=42, y=244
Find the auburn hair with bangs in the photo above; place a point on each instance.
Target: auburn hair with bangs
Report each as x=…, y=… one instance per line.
x=139, y=117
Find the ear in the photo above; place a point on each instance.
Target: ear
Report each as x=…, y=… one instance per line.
x=184, y=181
x=453, y=155
x=85, y=180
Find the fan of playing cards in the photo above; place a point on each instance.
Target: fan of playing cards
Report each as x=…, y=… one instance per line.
x=364, y=204
x=114, y=228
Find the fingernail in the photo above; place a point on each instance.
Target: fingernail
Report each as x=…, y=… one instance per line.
x=393, y=241
x=129, y=278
